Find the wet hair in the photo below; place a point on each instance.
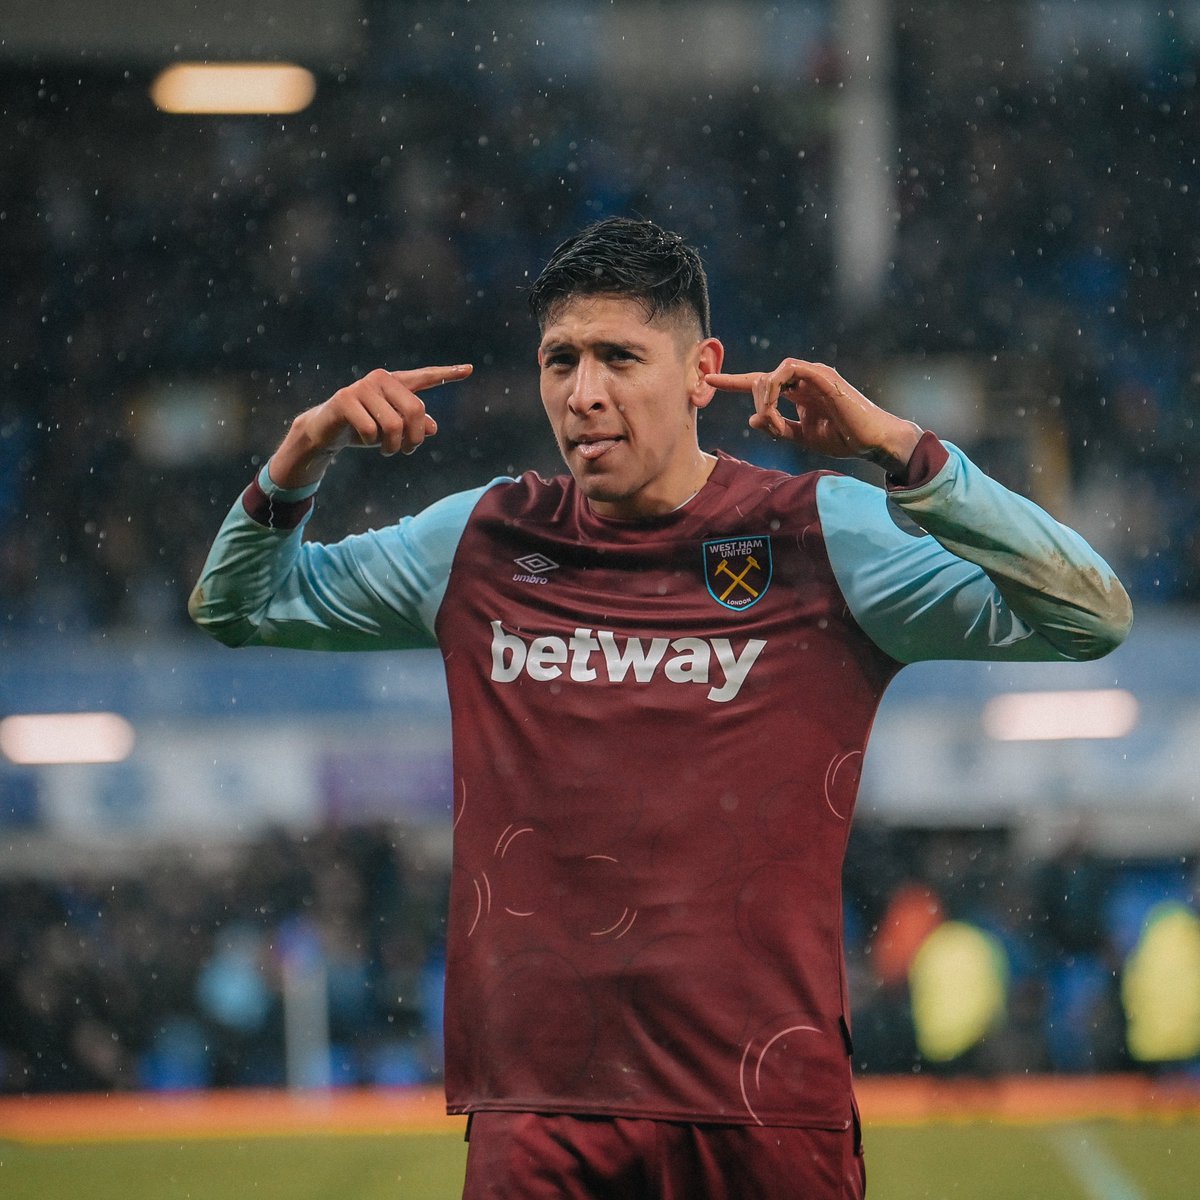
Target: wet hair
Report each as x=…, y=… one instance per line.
x=621, y=256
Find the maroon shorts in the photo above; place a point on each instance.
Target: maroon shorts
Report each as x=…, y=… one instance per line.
x=531, y=1156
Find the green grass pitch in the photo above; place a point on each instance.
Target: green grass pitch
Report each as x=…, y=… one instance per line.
x=1100, y=1160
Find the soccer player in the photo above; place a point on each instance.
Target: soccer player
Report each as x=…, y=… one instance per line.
x=663, y=667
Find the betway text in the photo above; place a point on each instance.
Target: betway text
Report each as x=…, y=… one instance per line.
x=590, y=654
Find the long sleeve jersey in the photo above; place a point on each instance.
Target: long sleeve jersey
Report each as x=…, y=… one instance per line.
x=658, y=732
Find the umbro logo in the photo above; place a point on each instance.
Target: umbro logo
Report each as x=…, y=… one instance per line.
x=536, y=564
x=534, y=568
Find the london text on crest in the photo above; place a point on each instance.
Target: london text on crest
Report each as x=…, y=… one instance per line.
x=737, y=570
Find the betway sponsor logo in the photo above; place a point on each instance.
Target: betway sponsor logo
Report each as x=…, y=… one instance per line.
x=589, y=654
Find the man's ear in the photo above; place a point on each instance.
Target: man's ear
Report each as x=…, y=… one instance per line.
x=710, y=354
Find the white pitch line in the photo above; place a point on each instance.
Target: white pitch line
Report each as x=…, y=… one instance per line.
x=1082, y=1148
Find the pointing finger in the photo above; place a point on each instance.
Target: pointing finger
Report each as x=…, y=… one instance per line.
x=420, y=378
x=726, y=382
x=766, y=416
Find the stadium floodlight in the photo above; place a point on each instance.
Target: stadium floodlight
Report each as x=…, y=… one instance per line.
x=233, y=88
x=1056, y=716
x=42, y=739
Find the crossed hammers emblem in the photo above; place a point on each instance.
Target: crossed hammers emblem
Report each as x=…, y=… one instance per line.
x=739, y=580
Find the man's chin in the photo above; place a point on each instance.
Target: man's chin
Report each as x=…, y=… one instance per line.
x=600, y=489
x=592, y=479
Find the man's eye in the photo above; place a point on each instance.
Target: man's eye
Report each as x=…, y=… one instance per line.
x=558, y=360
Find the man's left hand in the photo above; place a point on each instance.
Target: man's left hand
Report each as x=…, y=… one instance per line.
x=831, y=416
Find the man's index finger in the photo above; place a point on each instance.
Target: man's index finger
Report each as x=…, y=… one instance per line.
x=743, y=382
x=420, y=378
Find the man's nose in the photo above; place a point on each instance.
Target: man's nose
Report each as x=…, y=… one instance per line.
x=589, y=393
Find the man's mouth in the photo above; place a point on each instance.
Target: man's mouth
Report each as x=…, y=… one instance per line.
x=591, y=448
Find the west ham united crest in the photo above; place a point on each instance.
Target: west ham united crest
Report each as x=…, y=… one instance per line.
x=738, y=570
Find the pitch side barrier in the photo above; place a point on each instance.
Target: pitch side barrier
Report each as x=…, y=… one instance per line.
x=136, y=1116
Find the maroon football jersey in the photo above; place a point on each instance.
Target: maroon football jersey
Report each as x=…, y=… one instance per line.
x=659, y=730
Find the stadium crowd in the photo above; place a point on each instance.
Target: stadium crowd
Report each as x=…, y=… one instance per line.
x=174, y=976
x=179, y=287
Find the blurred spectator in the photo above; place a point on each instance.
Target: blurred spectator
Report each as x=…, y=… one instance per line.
x=238, y=1002
x=1161, y=987
x=959, y=982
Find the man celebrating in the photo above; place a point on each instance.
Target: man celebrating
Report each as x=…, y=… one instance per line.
x=662, y=669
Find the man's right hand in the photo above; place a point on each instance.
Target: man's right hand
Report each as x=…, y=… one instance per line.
x=381, y=409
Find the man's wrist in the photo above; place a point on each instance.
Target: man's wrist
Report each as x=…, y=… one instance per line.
x=895, y=455
x=300, y=461
x=290, y=472
x=272, y=487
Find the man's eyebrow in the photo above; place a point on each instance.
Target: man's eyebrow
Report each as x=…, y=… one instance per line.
x=603, y=346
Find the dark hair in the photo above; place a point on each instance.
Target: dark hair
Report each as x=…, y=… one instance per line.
x=625, y=257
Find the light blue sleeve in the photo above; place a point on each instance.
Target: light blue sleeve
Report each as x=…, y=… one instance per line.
x=379, y=590
x=963, y=568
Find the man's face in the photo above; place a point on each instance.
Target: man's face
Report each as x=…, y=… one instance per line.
x=622, y=395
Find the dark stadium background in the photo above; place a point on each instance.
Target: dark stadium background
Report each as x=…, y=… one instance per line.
x=985, y=215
